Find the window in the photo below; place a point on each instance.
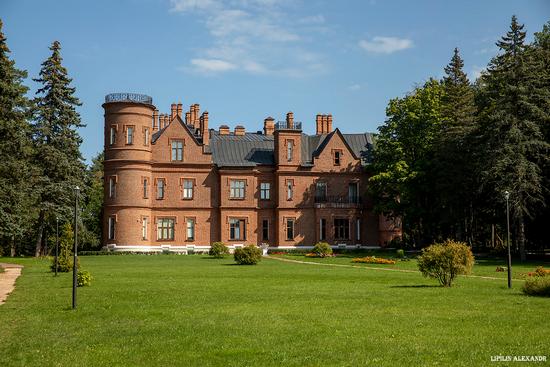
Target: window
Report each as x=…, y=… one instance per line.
x=358, y=229
x=190, y=225
x=289, y=149
x=341, y=229
x=130, y=135
x=146, y=136
x=161, y=185
x=112, y=135
x=290, y=229
x=236, y=189
x=177, y=150
x=144, y=225
x=265, y=230
x=111, y=228
x=188, y=185
x=112, y=187
x=237, y=229
x=353, y=193
x=165, y=229
x=145, y=187
x=289, y=189
x=321, y=191
x=337, y=157
x=322, y=229
x=265, y=188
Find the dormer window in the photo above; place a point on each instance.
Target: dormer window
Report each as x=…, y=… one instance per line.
x=337, y=157
x=177, y=150
x=289, y=150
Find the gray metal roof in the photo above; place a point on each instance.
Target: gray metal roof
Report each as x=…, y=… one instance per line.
x=252, y=149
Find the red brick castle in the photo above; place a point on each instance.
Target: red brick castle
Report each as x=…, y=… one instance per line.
x=174, y=184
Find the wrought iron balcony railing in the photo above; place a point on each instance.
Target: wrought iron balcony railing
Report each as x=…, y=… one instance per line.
x=128, y=97
x=283, y=125
x=338, y=201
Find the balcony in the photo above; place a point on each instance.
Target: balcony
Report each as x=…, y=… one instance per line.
x=128, y=97
x=338, y=201
x=284, y=125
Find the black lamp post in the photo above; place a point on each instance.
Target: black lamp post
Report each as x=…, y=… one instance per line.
x=507, y=196
x=75, y=256
x=56, y=244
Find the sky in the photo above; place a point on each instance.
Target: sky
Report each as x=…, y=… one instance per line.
x=245, y=60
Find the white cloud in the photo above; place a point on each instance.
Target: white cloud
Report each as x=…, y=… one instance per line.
x=253, y=36
x=476, y=73
x=386, y=45
x=208, y=66
x=354, y=87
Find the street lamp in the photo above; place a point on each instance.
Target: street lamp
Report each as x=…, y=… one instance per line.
x=507, y=196
x=56, y=244
x=75, y=256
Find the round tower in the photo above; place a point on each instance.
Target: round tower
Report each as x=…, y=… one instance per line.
x=127, y=171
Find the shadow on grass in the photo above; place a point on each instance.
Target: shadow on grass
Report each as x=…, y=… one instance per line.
x=417, y=286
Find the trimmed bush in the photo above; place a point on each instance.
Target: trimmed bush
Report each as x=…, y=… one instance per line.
x=444, y=261
x=400, y=253
x=322, y=249
x=83, y=278
x=537, y=286
x=247, y=255
x=218, y=250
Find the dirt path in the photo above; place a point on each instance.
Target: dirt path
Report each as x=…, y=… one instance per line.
x=374, y=268
x=7, y=279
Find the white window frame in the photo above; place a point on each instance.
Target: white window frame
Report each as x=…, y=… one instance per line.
x=112, y=187
x=161, y=188
x=146, y=136
x=144, y=229
x=168, y=232
x=289, y=150
x=265, y=190
x=237, y=189
x=188, y=188
x=176, y=153
x=289, y=189
x=112, y=136
x=130, y=135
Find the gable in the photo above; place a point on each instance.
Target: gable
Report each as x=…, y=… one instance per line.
x=323, y=157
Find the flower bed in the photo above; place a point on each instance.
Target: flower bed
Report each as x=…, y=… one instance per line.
x=313, y=254
x=373, y=260
x=539, y=272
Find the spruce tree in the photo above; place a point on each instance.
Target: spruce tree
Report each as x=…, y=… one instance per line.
x=57, y=142
x=453, y=161
x=15, y=152
x=511, y=137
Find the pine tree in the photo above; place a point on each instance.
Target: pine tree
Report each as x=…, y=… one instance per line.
x=15, y=151
x=57, y=142
x=453, y=161
x=511, y=136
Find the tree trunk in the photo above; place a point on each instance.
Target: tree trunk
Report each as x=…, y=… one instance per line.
x=521, y=239
x=41, y=225
x=12, y=247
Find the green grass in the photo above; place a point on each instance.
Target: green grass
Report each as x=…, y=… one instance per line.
x=196, y=311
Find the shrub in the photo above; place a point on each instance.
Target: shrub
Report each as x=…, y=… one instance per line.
x=537, y=286
x=400, y=253
x=66, y=244
x=248, y=255
x=373, y=260
x=444, y=261
x=83, y=278
x=218, y=250
x=542, y=272
x=322, y=249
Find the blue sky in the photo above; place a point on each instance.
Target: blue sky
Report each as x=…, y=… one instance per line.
x=244, y=60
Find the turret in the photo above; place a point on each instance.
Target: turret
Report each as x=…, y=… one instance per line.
x=288, y=141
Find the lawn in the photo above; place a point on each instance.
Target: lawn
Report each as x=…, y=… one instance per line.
x=196, y=311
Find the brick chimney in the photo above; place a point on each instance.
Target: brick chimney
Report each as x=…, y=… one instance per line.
x=172, y=111
x=195, y=114
x=179, y=110
x=290, y=120
x=318, y=124
x=155, y=119
x=269, y=126
x=239, y=130
x=205, y=133
x=224, y=130
x=187, y=118
x=329, y=123
x=166, y=121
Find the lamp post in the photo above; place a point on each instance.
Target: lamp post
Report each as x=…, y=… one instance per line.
x=56, y=244
x=507, y=196
x=75, y=256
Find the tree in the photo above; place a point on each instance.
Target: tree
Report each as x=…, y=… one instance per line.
x=57, y=142
x=92, y=210
x=454, y=158
x=402, y=172
x=513, y=145
x=16, y=172
x=66, y=245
